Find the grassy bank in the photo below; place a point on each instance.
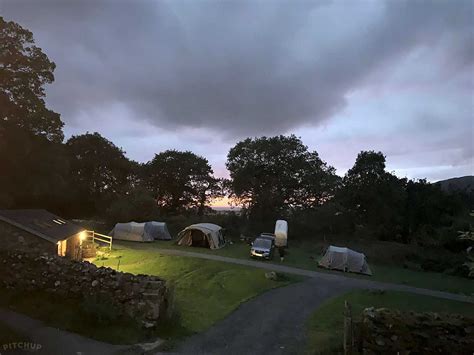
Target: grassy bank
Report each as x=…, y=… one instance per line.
x=205, y=291
x=325, y=326
x=306, y=256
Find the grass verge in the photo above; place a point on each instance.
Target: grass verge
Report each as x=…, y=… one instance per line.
x=325, y=326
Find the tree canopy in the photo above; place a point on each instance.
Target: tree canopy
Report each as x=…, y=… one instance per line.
x=24, y=71
x=268, y=175
x=181, y=180
x=99, y=170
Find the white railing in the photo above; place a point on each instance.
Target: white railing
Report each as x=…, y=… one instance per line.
x=97, y=237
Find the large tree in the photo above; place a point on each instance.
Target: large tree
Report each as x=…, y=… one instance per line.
x=100, y=172
x=270, y=175
x=33, y=171
x=374, y=195
x=24, y=70
x=33, y=164
x=181, y=181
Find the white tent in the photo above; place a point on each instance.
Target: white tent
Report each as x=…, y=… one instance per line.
x=345, y=259
x=158, y=230
x=141, y=232
x=205, y=235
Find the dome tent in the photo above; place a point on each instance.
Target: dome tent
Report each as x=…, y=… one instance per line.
x=141, y=232
x=158, y=230
x=205, y=235
x=345, y=259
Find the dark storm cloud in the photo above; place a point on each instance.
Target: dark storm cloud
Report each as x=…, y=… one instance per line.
x=242, y=68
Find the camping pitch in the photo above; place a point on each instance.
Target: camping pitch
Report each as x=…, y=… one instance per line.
x=205, y=235
x=141, y=232
x=345, y=259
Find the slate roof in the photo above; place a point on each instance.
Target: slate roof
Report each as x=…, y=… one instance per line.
x=41, y=223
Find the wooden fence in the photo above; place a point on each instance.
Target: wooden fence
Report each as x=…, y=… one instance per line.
x=102, y=238
x=353, y=332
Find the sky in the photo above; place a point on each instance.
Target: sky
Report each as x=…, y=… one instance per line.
x=345, y=76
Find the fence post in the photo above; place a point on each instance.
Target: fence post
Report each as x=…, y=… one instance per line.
x=348, y=331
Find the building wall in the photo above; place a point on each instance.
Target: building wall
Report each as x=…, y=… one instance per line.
x=73, y=247
x=13, y=238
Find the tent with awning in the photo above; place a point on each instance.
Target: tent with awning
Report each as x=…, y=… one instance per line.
x=205, y=235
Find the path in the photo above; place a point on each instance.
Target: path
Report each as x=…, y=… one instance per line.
x=321, y=276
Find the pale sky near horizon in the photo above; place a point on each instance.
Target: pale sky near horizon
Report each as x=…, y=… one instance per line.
x=345, y=76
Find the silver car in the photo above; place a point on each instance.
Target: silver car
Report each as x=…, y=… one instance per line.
x=262, y=248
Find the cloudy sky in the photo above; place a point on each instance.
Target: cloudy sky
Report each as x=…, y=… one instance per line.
x=343, y=75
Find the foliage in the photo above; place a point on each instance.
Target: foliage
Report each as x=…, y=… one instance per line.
x=100, y=172
x=24, y=70
x=35, y=171
x=374, y=196
x=469, y=236
x=138, y=205
x=270, y=175
x=30, y=134
x=181, y=181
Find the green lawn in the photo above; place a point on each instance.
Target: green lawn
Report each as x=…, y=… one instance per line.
x=305, y=256
x=325, y=326
x=205, y=290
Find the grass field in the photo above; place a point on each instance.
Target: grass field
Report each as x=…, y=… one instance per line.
x=325, y=326
x=205, y=291
x=305, y=256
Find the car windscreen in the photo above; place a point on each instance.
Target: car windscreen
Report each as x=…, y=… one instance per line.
x=262, y=243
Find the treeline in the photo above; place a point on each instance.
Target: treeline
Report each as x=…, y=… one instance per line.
x=271, y=177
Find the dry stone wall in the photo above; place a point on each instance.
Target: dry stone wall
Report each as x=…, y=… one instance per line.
x=142, y=297
x=387, y=331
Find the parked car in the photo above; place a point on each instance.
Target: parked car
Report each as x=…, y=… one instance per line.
x=262, y=248
x=269, y=236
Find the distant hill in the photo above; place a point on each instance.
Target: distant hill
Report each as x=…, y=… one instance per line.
x=460, y=184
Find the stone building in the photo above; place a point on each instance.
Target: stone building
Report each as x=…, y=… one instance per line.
x=42, y=231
